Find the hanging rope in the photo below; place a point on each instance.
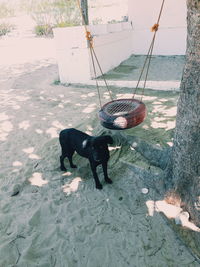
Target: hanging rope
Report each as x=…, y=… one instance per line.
x=147, y=61
x=89, y=37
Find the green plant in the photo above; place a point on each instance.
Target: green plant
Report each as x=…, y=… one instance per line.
x=97, y=21
x=113, y=21
x=64, y=24
x=43, y=30
x=5, y=28
x=56, y=82
x=54, y=13
x=66, y=12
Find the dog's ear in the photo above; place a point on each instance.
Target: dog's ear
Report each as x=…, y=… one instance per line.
x=86, y=143
x=108, y=139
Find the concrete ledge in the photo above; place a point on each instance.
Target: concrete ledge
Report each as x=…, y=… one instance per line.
x=154, y=85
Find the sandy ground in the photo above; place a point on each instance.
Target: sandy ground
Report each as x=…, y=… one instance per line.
x=51, y=218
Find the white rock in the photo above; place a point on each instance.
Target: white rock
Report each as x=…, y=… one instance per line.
x=145, y=191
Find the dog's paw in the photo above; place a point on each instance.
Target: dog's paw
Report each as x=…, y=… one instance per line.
x=63, y=169
x=108, y=180
x=99, y=186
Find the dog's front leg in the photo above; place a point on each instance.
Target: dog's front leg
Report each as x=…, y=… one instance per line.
x=105, y=168
x=96, y=178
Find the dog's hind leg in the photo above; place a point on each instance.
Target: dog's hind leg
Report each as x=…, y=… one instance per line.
x=62, y=166
x=70, y=161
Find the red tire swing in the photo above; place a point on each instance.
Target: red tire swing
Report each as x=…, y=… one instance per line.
x=122, y=114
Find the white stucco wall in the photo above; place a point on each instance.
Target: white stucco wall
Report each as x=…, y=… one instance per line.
x=171, y=37
x=112, y=44
x=72, y=54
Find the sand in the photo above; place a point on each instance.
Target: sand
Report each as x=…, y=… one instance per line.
x=51, y=218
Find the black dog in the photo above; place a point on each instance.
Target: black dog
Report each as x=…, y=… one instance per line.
x=93, y=148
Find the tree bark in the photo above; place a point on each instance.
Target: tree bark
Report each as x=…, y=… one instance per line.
x=84, y=8
x=185, y=164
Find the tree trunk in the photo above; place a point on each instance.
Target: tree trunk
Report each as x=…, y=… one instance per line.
x=84, y=8
x=186, y=151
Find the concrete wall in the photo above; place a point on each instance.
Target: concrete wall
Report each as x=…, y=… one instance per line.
x=72, y=54
x=112, y=44
x=171, y=37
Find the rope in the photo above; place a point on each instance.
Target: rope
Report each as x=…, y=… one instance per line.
x=89, y=37
x=147, y=61
x=102, y=74
x=95, y=76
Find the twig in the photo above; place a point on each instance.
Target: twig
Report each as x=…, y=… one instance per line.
x=19, y=254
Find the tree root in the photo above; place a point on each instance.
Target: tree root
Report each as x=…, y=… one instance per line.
x=19, y=253
x=154, y=154
x=151, y=179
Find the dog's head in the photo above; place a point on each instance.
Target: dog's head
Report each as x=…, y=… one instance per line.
x=99, y=147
